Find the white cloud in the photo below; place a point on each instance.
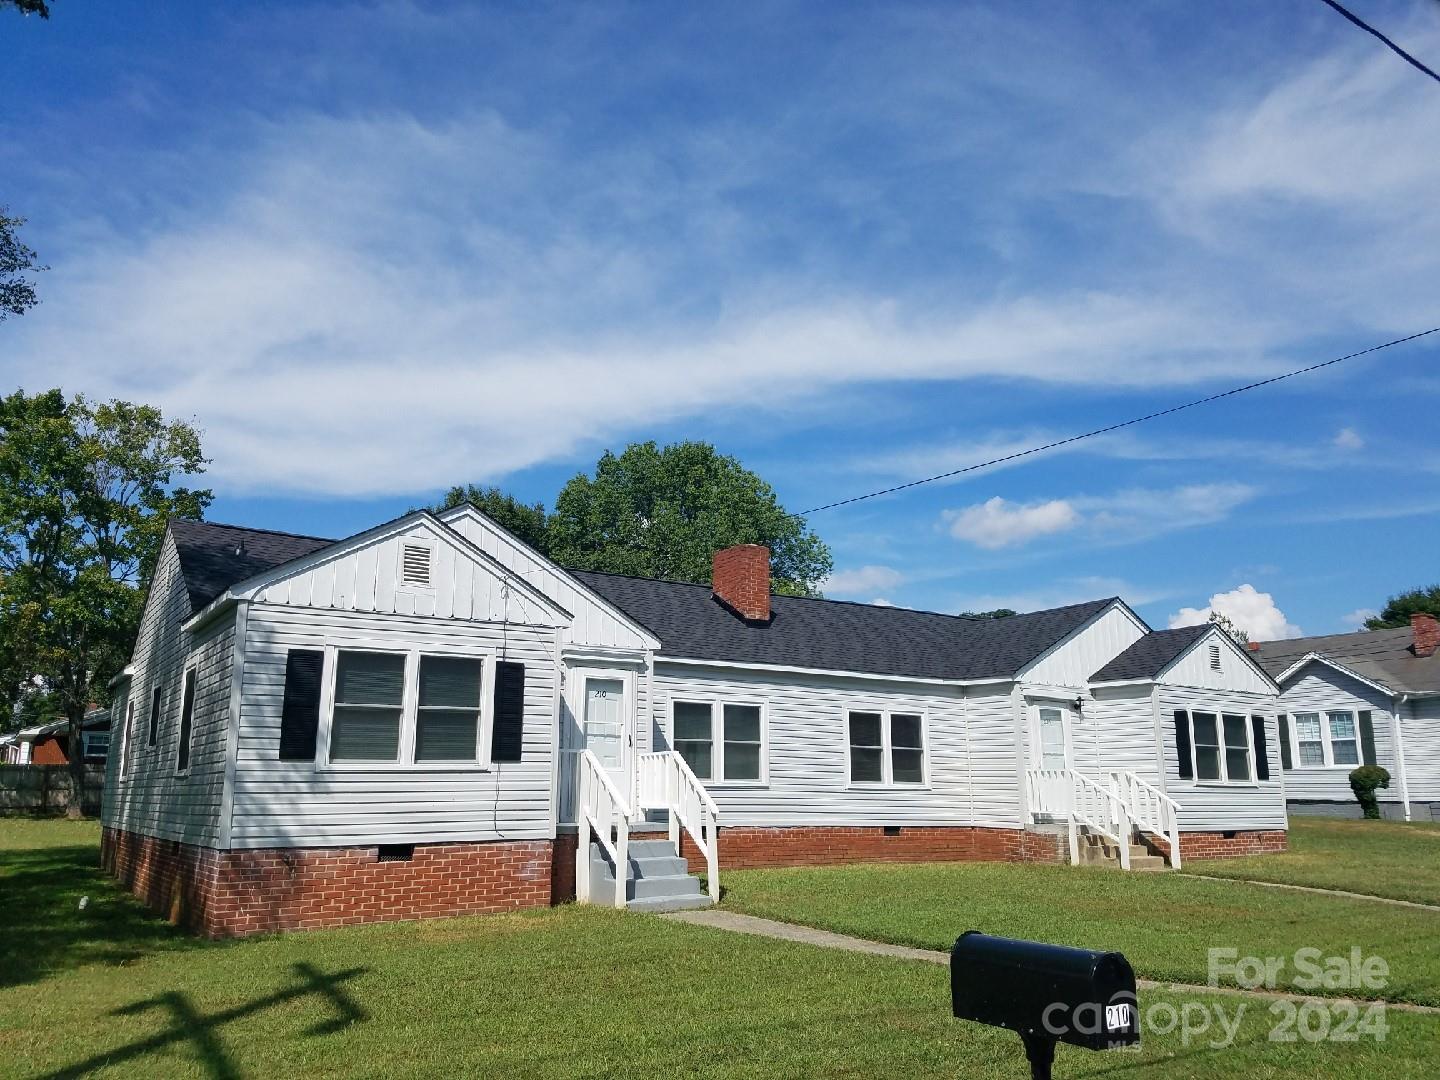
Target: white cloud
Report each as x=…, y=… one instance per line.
x=880, y=601
x=1251, y=611
x=997, y=523
x=1356, y=619
x=1348, y=438
x=1124, y=516
x=861, y=580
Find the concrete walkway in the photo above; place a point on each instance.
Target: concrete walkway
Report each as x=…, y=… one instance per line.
x=807, y=935
x=1317, y=889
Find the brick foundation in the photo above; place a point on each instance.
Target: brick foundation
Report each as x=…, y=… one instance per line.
x=749, y=847
x=222, y=893
x=1214, y=845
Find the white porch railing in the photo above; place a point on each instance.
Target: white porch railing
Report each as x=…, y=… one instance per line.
x=1113, y=810
x=1150, y=809
x=602, y=811
x=665, y=782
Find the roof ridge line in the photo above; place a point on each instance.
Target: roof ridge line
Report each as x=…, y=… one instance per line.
x=254, y=529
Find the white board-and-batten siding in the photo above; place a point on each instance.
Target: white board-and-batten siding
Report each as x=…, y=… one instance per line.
x=969, y=741
x=594, y=622
x=1211, y=807
x=1319, y=688
x=1236, y=672
x=366, y=577
x=1071, y=662
x=144, y=792
x=293, y=804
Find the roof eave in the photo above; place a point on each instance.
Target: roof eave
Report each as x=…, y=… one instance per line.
x=1320, y=658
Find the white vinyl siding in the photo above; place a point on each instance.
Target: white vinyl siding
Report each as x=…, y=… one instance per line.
x=970, y=762
x=1420, y=729
x=1309, y=699
x=151, y=797
x=294, y=803
x=1223, y=805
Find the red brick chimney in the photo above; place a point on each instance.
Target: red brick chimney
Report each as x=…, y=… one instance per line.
x=1425, y=632
x=740, y=579
x=1253, y=646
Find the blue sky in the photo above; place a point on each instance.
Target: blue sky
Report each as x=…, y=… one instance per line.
x=377, y=249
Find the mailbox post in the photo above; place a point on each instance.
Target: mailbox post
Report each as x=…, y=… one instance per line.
x=1046, y=994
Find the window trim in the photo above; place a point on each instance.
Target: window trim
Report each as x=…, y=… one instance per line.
x=716, y=703
x=1220, y=712
x=887, y=782
x=157, y=708
x=1327, y=749
x=409, y=701
x=122, y=764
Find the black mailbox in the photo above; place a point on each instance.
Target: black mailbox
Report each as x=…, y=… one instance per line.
x=1046, y=993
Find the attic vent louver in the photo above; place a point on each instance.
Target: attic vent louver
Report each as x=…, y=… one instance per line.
x=415, y=565
x=1215, y=657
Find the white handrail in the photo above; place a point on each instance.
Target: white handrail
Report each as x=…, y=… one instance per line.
x=601, y=809
x=1151, y=809
x=666, y=781
x=1078, y=800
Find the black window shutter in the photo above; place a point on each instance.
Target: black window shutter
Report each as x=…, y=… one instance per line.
x=1182, y=744
x=1262, y=751
x=1367, y=738
x=300, y=714
x=509, y=732
x=187, y=717
x=1284, y=724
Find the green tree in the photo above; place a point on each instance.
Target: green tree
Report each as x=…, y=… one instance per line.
x=528, y=521
x=663, y=512
x=17, y=292
x=1399, y=608
x=998, y=613
x=29, y=7
x=85, y=491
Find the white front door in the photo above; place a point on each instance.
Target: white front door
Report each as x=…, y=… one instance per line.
x=1052, y=742
x=604, y=725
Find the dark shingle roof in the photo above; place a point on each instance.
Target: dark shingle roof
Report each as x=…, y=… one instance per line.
x=833, y=635
x=1151, y=655
x=213, y=556
x=1383, y=656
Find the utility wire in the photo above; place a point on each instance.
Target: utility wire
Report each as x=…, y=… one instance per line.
x=1396, y=49
x=1116, y=427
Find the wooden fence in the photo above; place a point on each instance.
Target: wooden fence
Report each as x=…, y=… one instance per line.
x=48, y=789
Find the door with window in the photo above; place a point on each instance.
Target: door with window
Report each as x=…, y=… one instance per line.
x=599, y=721
x=1051, y=743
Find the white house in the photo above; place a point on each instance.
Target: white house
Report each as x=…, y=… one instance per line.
x=1366, y=698
x=430, y=718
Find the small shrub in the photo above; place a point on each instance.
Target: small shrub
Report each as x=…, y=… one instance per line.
x=1364, y=781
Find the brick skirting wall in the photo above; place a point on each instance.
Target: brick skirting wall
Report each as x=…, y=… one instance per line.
x=744, y=847
x=1214, y=845
x=223, y=893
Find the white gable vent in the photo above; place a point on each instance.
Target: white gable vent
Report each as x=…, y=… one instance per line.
x=415, y=565
x=1215, y=657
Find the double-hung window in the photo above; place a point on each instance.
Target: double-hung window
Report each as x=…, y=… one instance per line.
x=886, y=747
x=369, y=705
x=1220, y=746
x=721, y=741
x=1331, y=739
x=448, y=713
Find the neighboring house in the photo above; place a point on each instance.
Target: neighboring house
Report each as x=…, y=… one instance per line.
x=13, y=751
x=1371, y=697
x=430, y=718
x=49, y=744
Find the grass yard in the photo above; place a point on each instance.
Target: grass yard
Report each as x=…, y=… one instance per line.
x=571, y=992
x=1397, y=859
x=1163, y=923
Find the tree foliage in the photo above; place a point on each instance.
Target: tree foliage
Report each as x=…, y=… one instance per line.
x=85, y=492
x=662, y=512
x=1225, y=623
x=17, y=292
x=528, y=521
x=997, y=613
x=29, y=7
x=1363, y=782
x=1399, y=608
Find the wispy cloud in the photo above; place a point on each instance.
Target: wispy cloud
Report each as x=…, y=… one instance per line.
x=862, y=580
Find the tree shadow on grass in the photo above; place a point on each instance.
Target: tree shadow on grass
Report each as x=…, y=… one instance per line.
x=47, y=931
x=189, y=1025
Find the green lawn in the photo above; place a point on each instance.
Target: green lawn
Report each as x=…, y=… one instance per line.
x=1163, y=923
x=573, y=992
x=1397, y=859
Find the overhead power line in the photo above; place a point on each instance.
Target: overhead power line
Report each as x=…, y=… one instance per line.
x=1396, y=49
x=1116, y=427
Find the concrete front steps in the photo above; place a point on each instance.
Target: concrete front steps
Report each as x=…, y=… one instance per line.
x=658, y=879
x=1096, y=850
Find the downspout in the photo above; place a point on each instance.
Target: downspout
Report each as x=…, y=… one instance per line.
x=1400, y=702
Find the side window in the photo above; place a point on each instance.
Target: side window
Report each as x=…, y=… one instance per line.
x=187, y=717
x=154, y=716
